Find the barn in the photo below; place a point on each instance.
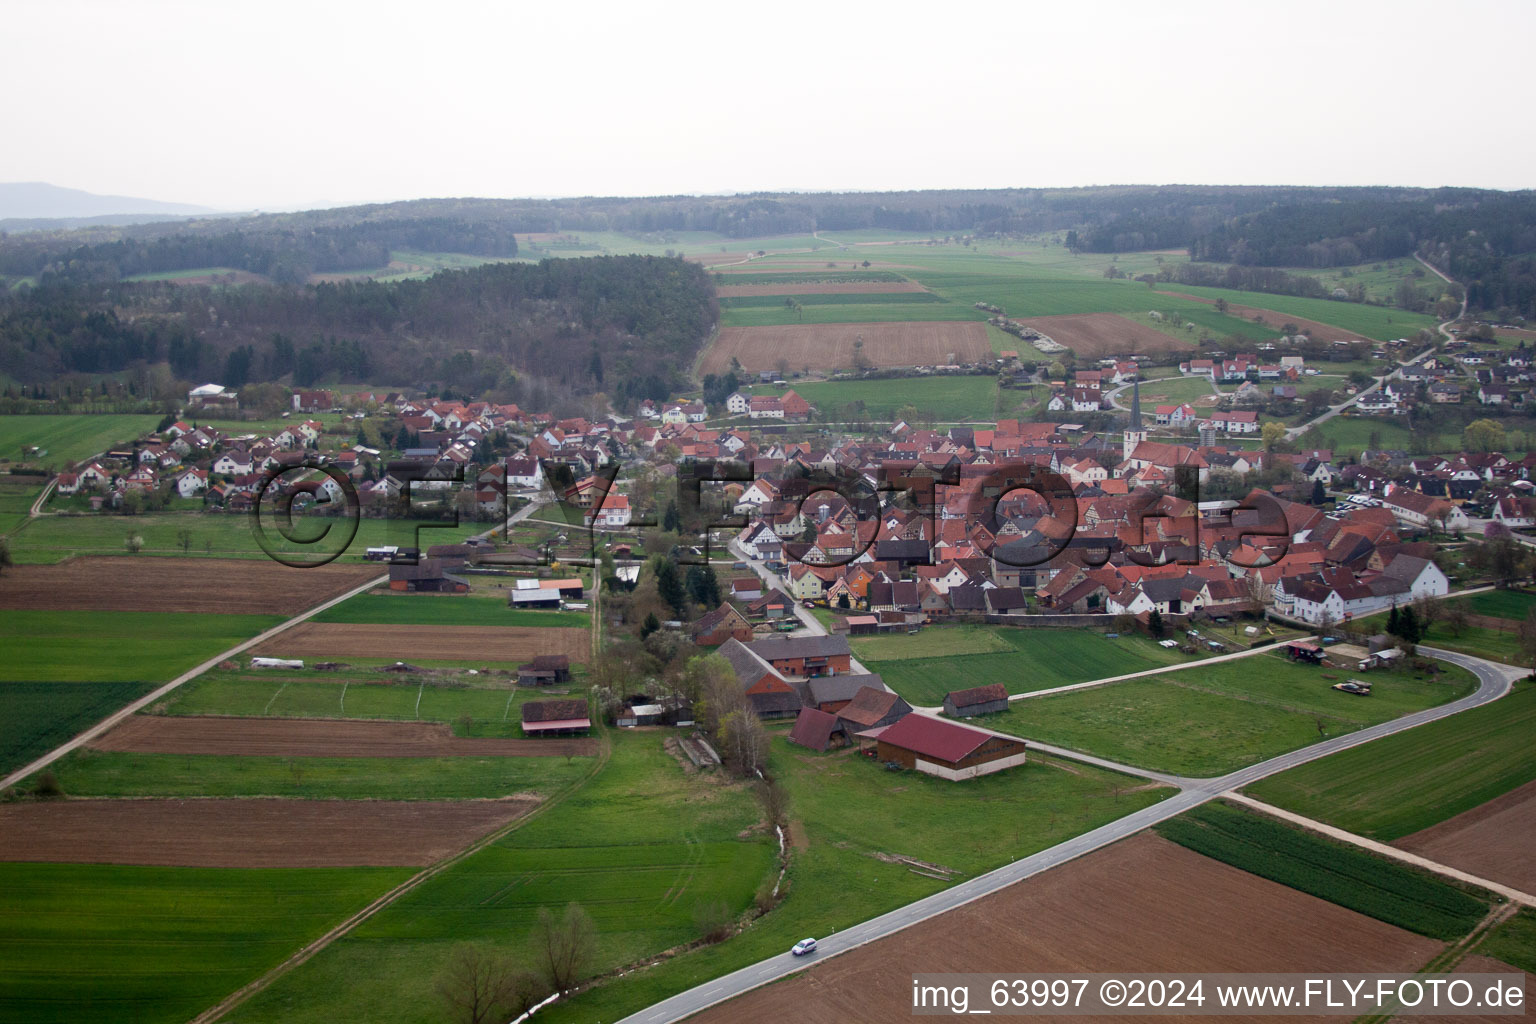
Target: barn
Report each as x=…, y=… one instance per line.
x=426, y=575
x=805, y=655
x=814, y=729
x=556, y=718
x=833, y=693
x=872, y=708
x=947, y=750
x=978, y=700
x=545, y=669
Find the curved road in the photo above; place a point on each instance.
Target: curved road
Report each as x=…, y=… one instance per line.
x=1494, y=681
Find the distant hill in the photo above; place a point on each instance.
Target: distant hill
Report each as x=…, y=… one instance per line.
x=37, y=200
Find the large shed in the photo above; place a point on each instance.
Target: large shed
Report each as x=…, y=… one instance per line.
x=947, y=749
x=556, y=718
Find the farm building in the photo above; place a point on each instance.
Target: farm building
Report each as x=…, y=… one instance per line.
x=534, y=597
x=556, y=718
x=426, y=575
x=720, y=625
x=833, y=693
x=863, y=625
x=772, y=605
x=814, y=729
x=805, y=655
x=544, y=670
x=767, y=691
x=978, y=700
x=872, y=708
x=946, y=749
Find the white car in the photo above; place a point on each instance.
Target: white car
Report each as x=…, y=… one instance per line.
x=803, y=947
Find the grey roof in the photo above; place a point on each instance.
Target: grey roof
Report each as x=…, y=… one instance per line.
x=777, y=647
x=747, y=665
x=840, y=687
x=1405, y=568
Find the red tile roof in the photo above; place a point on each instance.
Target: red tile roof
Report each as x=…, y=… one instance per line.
x=931, y=737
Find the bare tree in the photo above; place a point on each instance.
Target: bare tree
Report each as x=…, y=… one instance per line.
x=743, y=741
x=1429, y=610
x=1456, y=617
x=479, y=985
x=1528, y=637
x=564, y=946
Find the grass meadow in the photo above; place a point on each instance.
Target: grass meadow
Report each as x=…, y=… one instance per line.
x=68, y=438
x=1023, y=660
x=444, y=610
x=1215, y=719
x=641, y=847
x=937, y=399
x=1398, y=785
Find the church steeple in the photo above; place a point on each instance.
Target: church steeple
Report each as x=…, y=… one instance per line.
x=1134, y=433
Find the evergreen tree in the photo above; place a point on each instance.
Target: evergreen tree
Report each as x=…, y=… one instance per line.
x=1155, y=624
x=1393, y=622
x=1319, y=493
x=1408, y=626
x=703, y=586
x=670, y=585
x=670, y=520
x=649, y=626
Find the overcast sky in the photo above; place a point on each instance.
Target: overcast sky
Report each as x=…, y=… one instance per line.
x=273, y=105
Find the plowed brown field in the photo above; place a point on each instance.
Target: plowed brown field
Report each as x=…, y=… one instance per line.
x=1143, y=905
x=442, y=643
x=319, y=737
x=830, y=346
x=250, y=833
x=1493, y=840
x=1096, y=335
x=230, y=585
x=726, y=291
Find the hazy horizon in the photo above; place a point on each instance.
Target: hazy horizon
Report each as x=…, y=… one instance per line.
x=291, y=106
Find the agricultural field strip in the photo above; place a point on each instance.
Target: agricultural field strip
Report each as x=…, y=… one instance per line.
x=1494, y=681
x=123, y=713
x=234, y=999
x=109, y=722
x=1382, y=849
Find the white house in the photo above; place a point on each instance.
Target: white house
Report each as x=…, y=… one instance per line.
x=614, y=513
x=525, y=473
x=737, y=403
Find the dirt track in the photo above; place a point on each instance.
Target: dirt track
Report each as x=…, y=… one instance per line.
x=320, y=737
x=249, y=833
x=444, y=643
x=1139, y=906
x=192, y=585
x=1105, y=334
x=830, y=346
x=1493, y=840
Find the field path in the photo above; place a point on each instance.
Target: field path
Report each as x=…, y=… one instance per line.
x=1382, y=849
x=1494, y=681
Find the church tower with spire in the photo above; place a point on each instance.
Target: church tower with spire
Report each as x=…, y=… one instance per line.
x=1135, y=433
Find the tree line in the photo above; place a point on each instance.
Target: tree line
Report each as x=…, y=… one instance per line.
x=628, y=326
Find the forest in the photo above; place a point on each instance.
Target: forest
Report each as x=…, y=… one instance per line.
x=627, y=326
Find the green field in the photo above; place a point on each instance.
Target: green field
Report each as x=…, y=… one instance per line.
x=109, y=647
x=68, y=438
x=1397, y=785
x=474, y=705
x=1501, y=645
x=1172, y=391
x=142, y=945
x=640, y=847
x=848, y=313
x=744, y=302
x=1502, y=604
x=1514, y=942
x=1379, y=323
x=1215, y=719
x=1022, y=660
x=1337, y=872
x=444, y=610
x=54, y=538
x=112, y=774
x=937, y=399
x=36, y=717
x=16, y=496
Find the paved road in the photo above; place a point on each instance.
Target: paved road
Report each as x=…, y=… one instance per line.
x=1493, y=682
